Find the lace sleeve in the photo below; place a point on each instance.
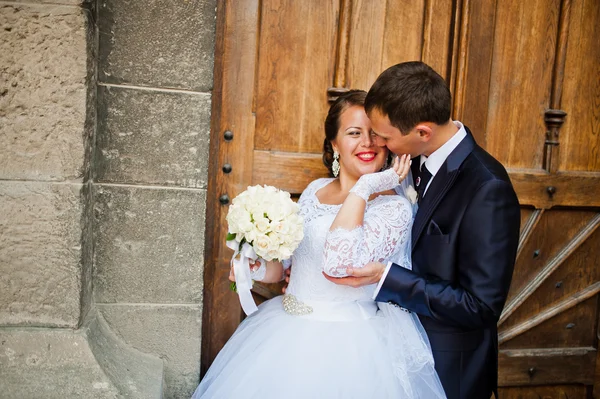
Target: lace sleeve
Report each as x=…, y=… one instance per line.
x=386, y=226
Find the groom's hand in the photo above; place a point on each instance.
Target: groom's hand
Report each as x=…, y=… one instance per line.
x=371, y=273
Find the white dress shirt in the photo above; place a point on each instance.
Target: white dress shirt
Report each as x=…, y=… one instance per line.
x=433, y=163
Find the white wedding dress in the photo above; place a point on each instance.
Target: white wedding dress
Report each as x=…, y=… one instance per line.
x=323, y=340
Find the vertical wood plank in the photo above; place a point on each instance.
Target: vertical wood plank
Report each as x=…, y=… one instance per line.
x=561, y=54
x=235, y=56
x=296, y=66
x=458, y=56
x=343, y=39
x=366, y=43
x=596, y=386
x=580, y=135
x=437, y=36
x=403, y=33
x=474, y=92
x=520, y=84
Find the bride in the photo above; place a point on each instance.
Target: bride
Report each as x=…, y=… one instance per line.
x=322, y=340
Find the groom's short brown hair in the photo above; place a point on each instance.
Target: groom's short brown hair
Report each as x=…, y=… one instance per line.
x=410, y=93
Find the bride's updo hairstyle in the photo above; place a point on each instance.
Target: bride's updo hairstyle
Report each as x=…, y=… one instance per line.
x=332, y=122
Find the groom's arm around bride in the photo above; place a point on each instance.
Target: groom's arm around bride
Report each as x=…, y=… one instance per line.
x=465, y=233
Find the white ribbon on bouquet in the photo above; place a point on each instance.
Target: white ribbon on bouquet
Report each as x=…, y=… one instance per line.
x=241, y=270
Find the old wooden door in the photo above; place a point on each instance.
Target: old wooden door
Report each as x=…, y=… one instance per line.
x=525, y=78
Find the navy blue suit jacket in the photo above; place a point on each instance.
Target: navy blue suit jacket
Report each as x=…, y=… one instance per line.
x=464, y=241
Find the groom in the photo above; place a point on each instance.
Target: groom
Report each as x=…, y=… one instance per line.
x=464, y=236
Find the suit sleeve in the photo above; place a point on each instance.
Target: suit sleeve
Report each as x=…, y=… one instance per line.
x=487, y=246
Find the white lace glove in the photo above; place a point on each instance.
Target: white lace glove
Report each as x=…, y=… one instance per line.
x=259, y=273
x=372, y=183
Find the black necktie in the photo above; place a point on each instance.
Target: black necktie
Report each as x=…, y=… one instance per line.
x=422, y=181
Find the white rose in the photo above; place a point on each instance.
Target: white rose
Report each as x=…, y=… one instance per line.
x=285, y=252
x=276, y=238
x=262, y=224
x=237, y=219
x=262, y=244
x=251, y=235
x=280, y=227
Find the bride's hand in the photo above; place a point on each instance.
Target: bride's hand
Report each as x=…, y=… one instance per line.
x=372, y=183
x=257, y=270
x=402, y=166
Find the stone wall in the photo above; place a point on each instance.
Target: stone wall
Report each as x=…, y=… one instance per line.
x=155, y=76
x=104, y=129
x=46, y=132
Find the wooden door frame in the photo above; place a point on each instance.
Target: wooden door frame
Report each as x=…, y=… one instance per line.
x=225, y=140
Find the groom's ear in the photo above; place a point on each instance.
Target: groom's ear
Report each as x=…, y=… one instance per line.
x=424, y=131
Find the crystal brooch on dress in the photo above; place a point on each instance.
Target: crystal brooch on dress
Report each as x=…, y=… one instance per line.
x=293, y=306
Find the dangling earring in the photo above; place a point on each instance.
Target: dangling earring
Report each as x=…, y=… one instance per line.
x=335, y=165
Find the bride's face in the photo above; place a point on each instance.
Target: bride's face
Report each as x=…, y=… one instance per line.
x=355, y=143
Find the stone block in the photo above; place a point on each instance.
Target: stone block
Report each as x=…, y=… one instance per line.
x=50, y=364
x=152, y=137
x=57, y=2
x=40, y=253
x=160, y=43
x=44, y=74
x=149, y=244
x=136, y=375
x=171, y=332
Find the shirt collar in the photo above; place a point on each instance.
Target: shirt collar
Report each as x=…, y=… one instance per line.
x=437, y=158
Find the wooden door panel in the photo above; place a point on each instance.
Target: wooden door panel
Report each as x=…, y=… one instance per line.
x=402, y=38
x=521, y=78
x=527, y=216
x=581, y=92
x=439, y=37
x=366, y=37
x=547, y=367
x=545, y=245
x=545, y=392
x=513, y=68
x=232, y=127
x=288, y=171
x=294, y=65
x=570, y=282
x=565, y=327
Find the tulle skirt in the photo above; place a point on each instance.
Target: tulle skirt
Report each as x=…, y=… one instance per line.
x=350, y=352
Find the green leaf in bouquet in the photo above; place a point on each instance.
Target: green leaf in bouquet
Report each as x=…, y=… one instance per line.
x=230, y=236
x=233, y=287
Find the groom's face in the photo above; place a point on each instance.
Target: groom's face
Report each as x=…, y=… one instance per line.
x=391, y=137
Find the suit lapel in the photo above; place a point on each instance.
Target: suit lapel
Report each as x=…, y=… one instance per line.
x=441, y=184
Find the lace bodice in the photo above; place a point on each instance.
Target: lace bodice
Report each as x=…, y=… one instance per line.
x=384, y=236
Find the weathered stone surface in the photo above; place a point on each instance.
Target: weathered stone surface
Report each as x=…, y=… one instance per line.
x=152, y=137
x=43, y=75
x=161, y=43
x=40, y=253
x=135, y=374
x=50, y=364
x=65, y=2
x=171, y=332
x=149, y=244
x=87, y=249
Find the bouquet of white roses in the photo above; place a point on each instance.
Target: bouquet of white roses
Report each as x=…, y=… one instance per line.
x=263, y=222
